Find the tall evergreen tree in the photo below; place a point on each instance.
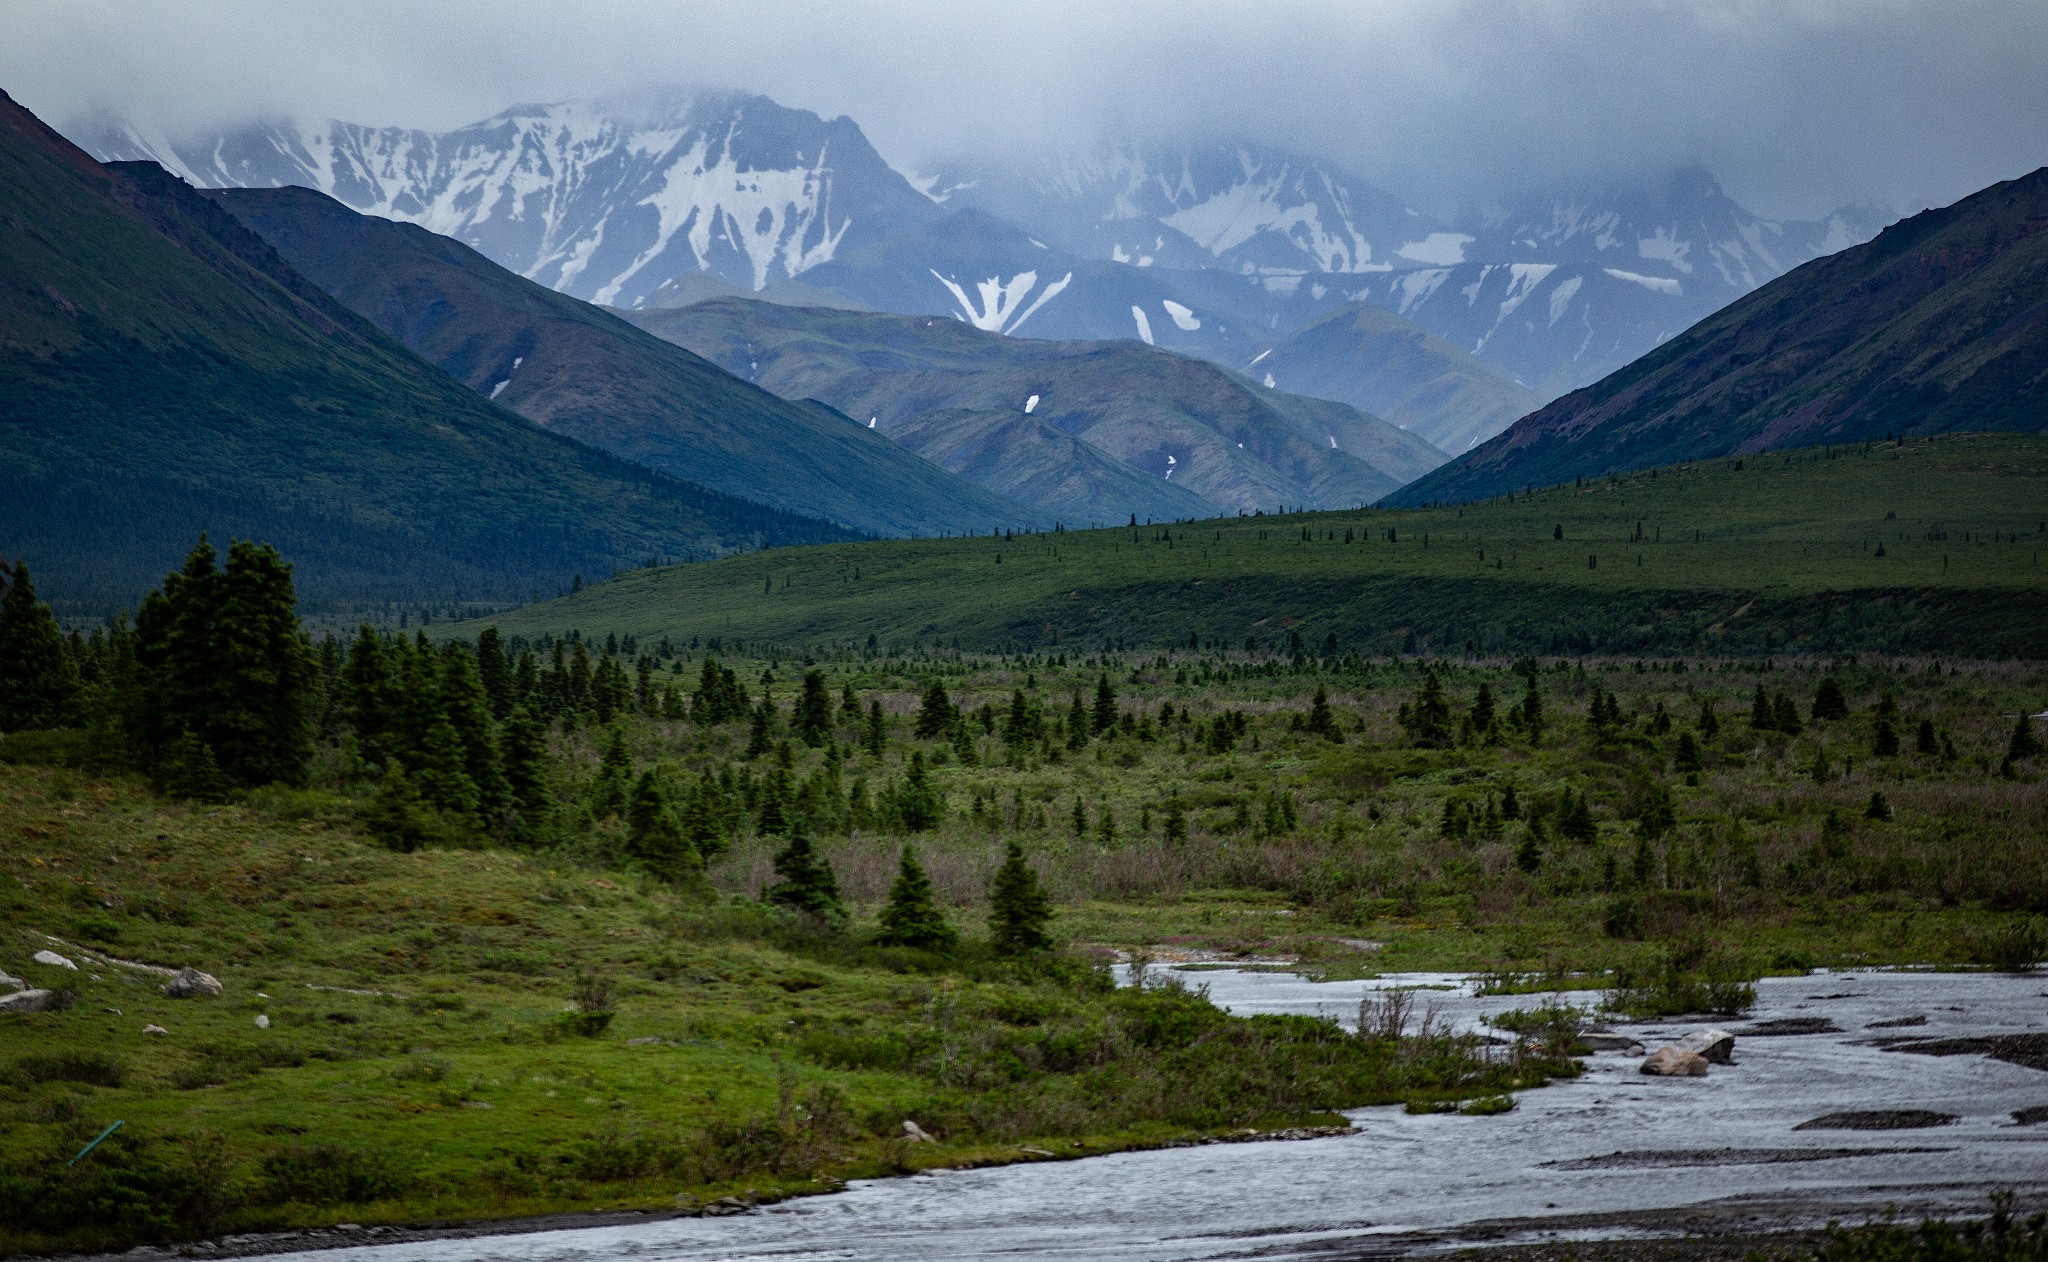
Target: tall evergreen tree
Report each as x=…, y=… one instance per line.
x=919, y=806
x=804, y=881
x=912, y=917
x=467, y=707
x=614, y=777
x=1428, y=720
x=1709, y=723
x=1018, y=910
x=1077, y=723
x=1320, y=719
x=702, y=819
x=935, y=715
x=1104, y=717
x=443, y=778
x=813, y=719
x=271, y=674
x=655, y=838
x=2024, y=744
x=524, y=761
x=494, y=670
x=1828, y=702
x=38, y=681
x=369, y=697
x=875, y=736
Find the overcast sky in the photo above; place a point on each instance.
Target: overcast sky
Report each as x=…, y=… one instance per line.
x=1798, y=105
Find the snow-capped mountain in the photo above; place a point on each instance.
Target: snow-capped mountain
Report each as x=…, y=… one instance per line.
x=1560, y=291
x=1241, y=207
x=1220, y=250
x=605, y=199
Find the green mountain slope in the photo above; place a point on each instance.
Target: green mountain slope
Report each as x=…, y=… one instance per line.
x=1937, y=546
x=1236, y=446
x=581, y=371
x=1938, y=325
x=1377, y=362
x=162, y=372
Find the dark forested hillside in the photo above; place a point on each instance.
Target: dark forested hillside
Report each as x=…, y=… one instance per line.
x=581, y=371
x=163, y=372
x=1938, y=325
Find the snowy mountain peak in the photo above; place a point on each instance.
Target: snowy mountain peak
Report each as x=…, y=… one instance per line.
x=606, y=199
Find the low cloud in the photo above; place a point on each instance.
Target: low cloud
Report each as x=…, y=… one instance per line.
x=1798, y=105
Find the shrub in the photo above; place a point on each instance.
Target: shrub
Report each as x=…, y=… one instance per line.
x=92, y=1068
x=2012, y=947
x=328, y=1174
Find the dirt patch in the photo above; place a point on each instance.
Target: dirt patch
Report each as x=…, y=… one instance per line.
x=1877, y=1120
x=1683, y=1158
x=1788, y=1025
x=2029, y=1051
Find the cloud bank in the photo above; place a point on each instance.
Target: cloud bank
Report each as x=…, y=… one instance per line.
x=1797, y=105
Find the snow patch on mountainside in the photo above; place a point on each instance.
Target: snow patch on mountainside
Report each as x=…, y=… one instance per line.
x=997, y=308
x=1438, y=249
x=1660, y=284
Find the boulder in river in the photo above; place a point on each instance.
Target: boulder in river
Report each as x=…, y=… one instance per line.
x=1716, y=1046
x=1623, y=1043
x=190, y=983
x=1675, y=1062
x=28, y=1001
x=2029, y=1116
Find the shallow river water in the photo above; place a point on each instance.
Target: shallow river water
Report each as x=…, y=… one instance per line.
x=1609, y=1154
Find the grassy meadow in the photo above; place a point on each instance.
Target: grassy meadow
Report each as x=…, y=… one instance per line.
x=1931, y=547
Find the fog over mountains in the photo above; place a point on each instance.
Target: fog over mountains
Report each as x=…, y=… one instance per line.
x=1223, y=250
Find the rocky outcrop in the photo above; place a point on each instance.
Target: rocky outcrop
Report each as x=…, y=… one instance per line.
x=54, y=960
x=190, y=983
x=1675, y=1062
x=1714, y=1046
x=30, y=1001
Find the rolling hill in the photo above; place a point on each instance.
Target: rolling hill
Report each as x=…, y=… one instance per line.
x=1934, y=546
x=1939, y=324
x=1206, y=440
x=581, y=371
x=164, y=372
x=1377, y=362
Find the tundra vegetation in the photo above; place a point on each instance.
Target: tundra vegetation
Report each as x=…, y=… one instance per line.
x=541, y=922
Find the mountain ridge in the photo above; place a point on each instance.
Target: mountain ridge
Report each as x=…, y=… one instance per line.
x=577, y=369
x=163, y=372
x=1936, y=325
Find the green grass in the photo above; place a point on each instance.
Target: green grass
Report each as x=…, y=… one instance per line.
x=1770, y=553
x=419, y=1063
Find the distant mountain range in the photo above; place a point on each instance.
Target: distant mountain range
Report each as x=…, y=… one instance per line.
x=578, y=370
x=1939, y=324
x=164, y=372
x=1221, y=250
x=1091, y=431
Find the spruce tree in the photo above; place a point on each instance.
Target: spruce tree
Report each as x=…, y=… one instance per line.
x=1532, y=711
x=935, y=715
x=702, y=820
x=1428, y=720
x=367, y=687
x=1077, y=723
x=467, y=707
x=875, y=735
x=813, y=720
x=919, y=807
x=494, y=670
x=1763, y=716
x=912, y=917
x=1884, y=739
x=804, y=881
x=1786, y=716
x=1104, y=717
x=38, y=681
x=1829, y=703
x=1018, y=910
x=397, y=817
x=523, y=759
x=187, y=770
x=655, y=838
x=1481, y=719
x=1709, y=723
x=763, y=729
x=1924, y=739
x=443, y=779
x=2024, y=744
x=269, y=673
x=614, y=777
x=1320, y=720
